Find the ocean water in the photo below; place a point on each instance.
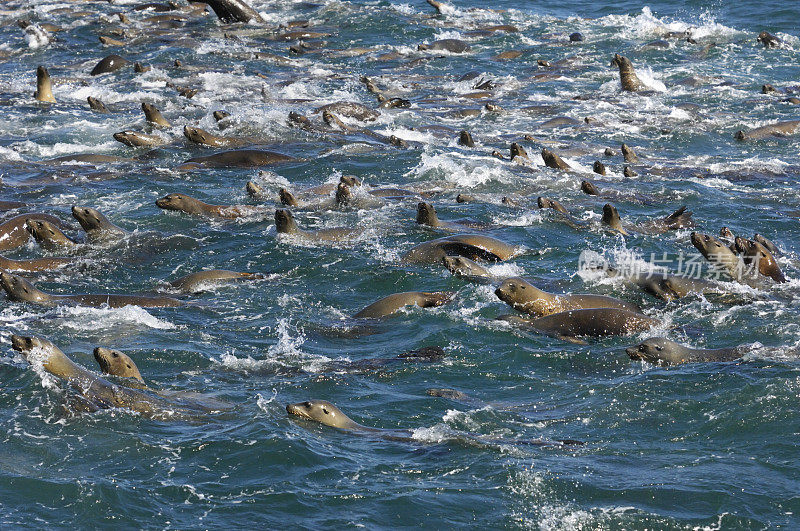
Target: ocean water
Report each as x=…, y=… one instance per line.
x=697, y=446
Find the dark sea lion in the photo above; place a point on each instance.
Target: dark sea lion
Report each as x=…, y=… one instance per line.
x=19, y=289
x=466, y=268
x=518, y=152
x=98, y=228
x=101, y=393
x=37, y=264
x=194, y=282
x=779, y=129
x=229, y=11
x=190, y=205
x=350, y=110
x=285, y=224
x=154, y=116
x=327, y=414
x=13, y=232
x=139, y=68
x=117, y=363
x=472, y=246
x=680, y=219
x=560, y=121
x=771, y=247
x=666, y=286
x=92, y=158
x=136, y=139
x=44, y=86
x=551, y=160
x=661, y=351
x=426, y=215
x=628, y=154
x=48, y=236
x=768, y=40
x=508, y=55
x=110, y=63
x=465, y=198
x=627, y=74
x=757, y=256
x=448, y=45
x=612, y=220
x=524, y=297
x=543, y=202
x=241, y=158
x=719, y=254
x=588, y=188
x=97, y=106
x=593, y=322
x=465, y=139
x=203, y=137
x=392, y=303
x=600, y=169
x=628, y=172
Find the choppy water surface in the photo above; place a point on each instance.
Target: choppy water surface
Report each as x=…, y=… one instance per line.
x=710, y=445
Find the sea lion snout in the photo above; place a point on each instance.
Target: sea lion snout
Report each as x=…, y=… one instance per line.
x=21, y=343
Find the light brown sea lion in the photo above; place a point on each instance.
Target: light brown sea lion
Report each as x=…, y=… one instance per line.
x=662, y=351
x=99, y=392
x=779, y=129
x=135, y=139
x=350, y=109
x=13, y=233
x=392, y=303
x=472, y=246
x=449, y=45
x=98, y=228
x=666, y=286
x=719, y=254
x=627, y=75
x=194, y=282
x=241, y=158
x=44, y=86
x=426, y=215
x=593, y=322
x=327, y=414
x=19, y=289
x=465, y=198
x=285, y=224
x=190, y=205
x=551, y=160
x=48, y=236
x=117, y=363
x=109, y=41
x=559, y=121
x=628, y=154
x=757, y=256
x=154, y=116
x=524, y=297
x=37, y=264
x=679, y=219
x=92, y=158
x=466, y=268
x=201, y=136
x=97, y=106
x=109, y=63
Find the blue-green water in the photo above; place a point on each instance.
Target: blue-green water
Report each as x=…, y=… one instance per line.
x=704, y=445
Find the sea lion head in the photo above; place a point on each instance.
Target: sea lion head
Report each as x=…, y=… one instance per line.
x=517, y=151
x=350, y=180
x=321, y=411
x=465, y=139
x=725, y=232
x=756, y=253
x=197, y=135
x=464, y=198
x=44, y=90
x=19, y=289
x=658, y=351
x=708, y=245
x=116, y=363
x=178, y=202
x=599, y=168
x=287, y=198
x=611, y=217
x=589, y=188
x=739, y=135
x=343, y=194
x=284, y=221
x=253, y=189
x=42, y=230
x=149, y=109
x=458, y=265
x=89, y=218
x=621, y=62
x=517, y=291
x=435, y=298
x=426, y=214
x=28, y=347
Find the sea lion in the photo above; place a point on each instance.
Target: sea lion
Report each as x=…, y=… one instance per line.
x=719, y=254
x=465, y=198
x=48, y=236
x=44, y=86
x=757, y=256
x=666, y=286
x=285, y=224
x=327, y=414
x=768, y=40
x=426, y=215
x=627, y=75
x=97, y=106
x=13, y=232
x=241, y=158
x=154, y=116
x=593, y=322
x=190, y=205
x=662, y=351
x=109, y=63
x=193, y=282
x=19, y=289
x=628, y=154
x=560, y=121
x=447, y=45
x=628, y=172
x=524, y=297
x=771, y=247
x=201, y=136
x=472, y=246
x=551, y=160
x=92, y=158
x=229, y=11
x=679, y=219
x=518, y=152
x=37, y=264
x=779, y=129
x=543, y=202
x=465, y=139
x=117, y=363
x=135, y=139
x=600, y=169
x=612, y=220
x=392, y=303
x=99, y=392
x=98, y=228
x=350, y=109
x=466, y=268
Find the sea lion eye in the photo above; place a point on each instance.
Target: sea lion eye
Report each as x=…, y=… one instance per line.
x=128, y=366
x=658, y=348
x=114, y=354
x=307, y=404
x=325, y=410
